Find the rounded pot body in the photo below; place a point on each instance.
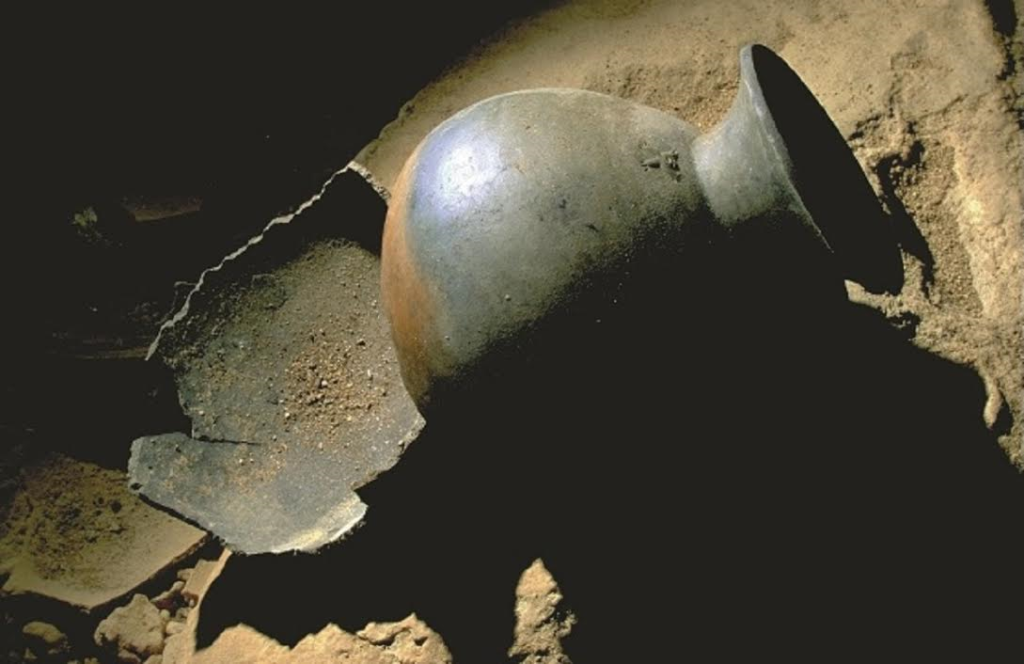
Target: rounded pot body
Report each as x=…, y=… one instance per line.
x=521, y=219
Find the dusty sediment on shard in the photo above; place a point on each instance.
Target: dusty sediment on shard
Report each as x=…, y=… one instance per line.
x=284, y=365
x=75, y=533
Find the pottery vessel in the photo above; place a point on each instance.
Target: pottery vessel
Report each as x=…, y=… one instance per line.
x=522, y=206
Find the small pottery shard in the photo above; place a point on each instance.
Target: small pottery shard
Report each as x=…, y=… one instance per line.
x=284, y=364
x=75, y=534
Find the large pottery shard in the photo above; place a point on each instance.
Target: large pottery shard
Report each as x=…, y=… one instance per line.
x=285, y=366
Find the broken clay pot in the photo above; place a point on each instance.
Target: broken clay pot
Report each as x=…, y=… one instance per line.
x=524, y=204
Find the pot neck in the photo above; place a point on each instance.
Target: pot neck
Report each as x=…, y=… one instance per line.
x=744, y=174
x=777, y=154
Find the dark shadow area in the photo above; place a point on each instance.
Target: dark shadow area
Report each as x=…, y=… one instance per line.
x=1004, y=16
x=738, y=464
x=246, y=111
x=88, y=408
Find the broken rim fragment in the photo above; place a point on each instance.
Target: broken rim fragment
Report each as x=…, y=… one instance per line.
x=514, y=210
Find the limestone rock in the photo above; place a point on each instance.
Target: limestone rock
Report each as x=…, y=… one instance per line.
x=199, y=579
x=135, y=630
x=408, y=641
x=540, y=627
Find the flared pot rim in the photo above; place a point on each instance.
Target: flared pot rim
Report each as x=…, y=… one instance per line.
x=822, y=170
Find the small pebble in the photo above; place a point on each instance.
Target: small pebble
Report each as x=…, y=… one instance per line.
x=52, y=639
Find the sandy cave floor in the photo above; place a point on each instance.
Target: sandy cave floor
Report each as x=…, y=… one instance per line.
x=928, y=95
